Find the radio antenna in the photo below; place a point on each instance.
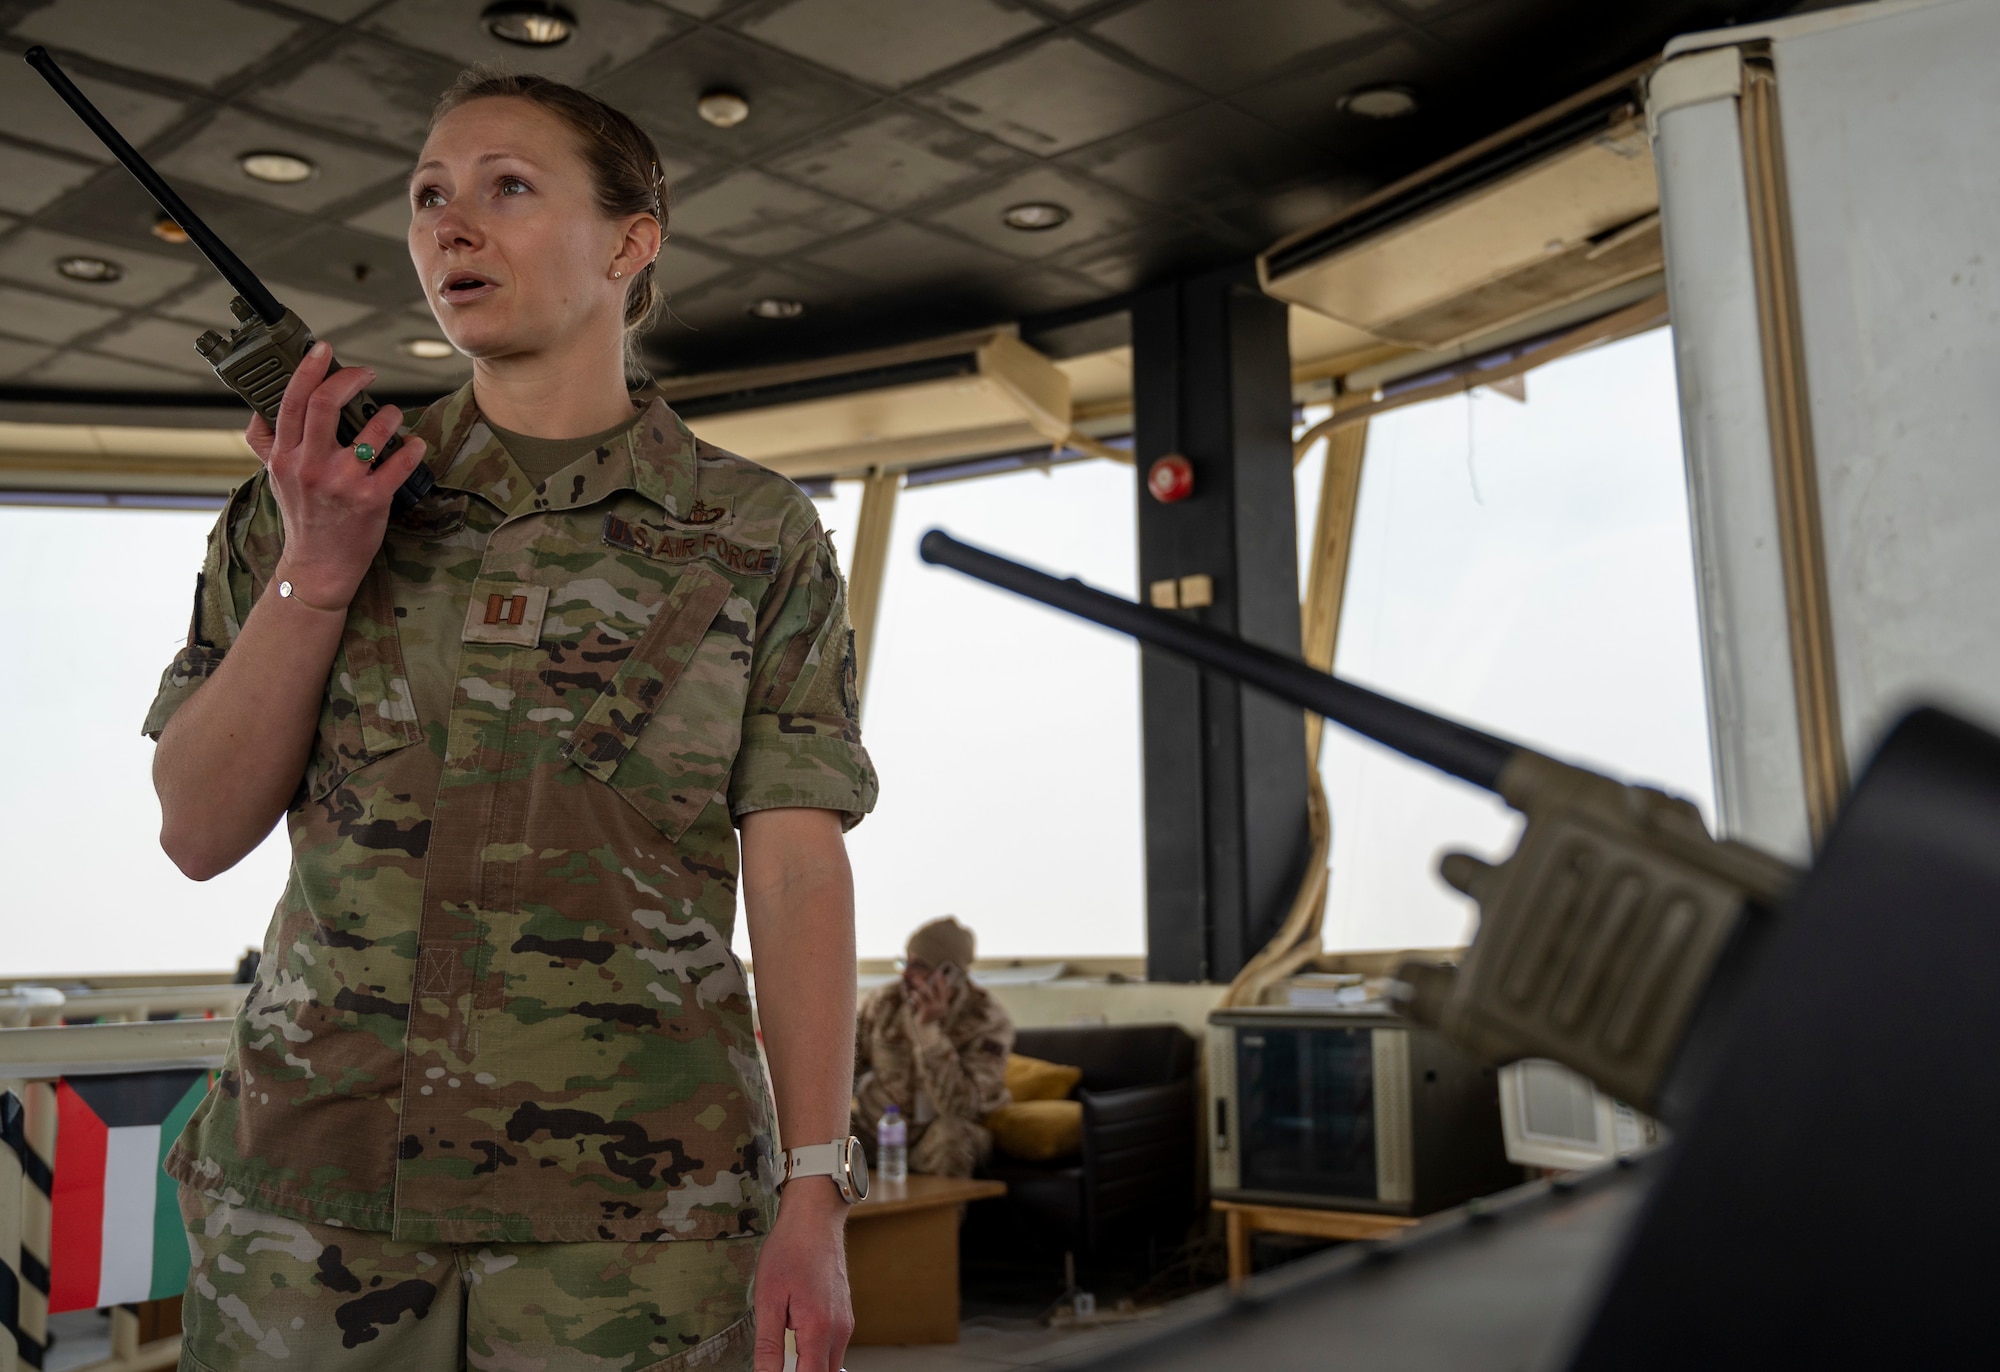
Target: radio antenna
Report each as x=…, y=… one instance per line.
x=1445, y=744
x=232, y=267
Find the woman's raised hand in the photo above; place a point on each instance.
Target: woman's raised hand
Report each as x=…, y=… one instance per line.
x=334, y=505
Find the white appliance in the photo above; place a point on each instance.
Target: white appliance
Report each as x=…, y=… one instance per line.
x=1553, y=1117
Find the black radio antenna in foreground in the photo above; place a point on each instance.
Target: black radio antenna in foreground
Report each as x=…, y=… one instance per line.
x=1445, y=744
x=234, y=271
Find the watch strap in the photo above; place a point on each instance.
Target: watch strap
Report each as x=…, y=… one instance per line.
x=815, y=1160
x=840, y=1161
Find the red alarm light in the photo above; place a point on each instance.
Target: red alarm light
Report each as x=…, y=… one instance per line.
x=1171, y=479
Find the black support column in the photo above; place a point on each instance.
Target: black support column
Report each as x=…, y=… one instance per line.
x=1225, y=784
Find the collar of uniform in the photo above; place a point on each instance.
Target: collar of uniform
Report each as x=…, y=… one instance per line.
x=656, y=458
x=663, y=459
x=464, y=453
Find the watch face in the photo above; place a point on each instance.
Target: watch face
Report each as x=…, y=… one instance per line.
x=856, y=1163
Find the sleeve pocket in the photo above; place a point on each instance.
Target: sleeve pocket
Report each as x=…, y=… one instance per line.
x=665, y=731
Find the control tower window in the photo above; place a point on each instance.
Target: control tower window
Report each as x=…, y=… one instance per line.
x=1526, y=568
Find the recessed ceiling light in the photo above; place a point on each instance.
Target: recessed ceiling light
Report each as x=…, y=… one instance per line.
x=773, y=307
x=1035, y=216
x=167, y=231
x=430, y=349
x=724, y=109
x=276, y=168
x=1380, y=102
x=96, y=270
x=530, y=23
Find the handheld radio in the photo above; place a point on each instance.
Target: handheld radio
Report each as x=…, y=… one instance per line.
x=269, y=342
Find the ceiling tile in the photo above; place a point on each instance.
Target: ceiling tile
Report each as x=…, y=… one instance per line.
x=337, y=11
x=32, y=110
x=752, y=213
x=115, y=210
x=338, y=261
x=381, y=346
x=1264, y=221
x=200, y=41
x=898, y=254
x=18, y=357
x=1129, y=261
x=1029, y=291
x=1213, y=153
x=788, y=99
x=365, y=87
x=87, y=371
x=896, y=160
x=1308, y=102
x=887, y=42
x=609, y=33
x=210, y=159
x=208, y=308
x=1505, y=20
x=160, y=342
x=681, y=268
x=1040, y=290
x=1059, y=94
x=390, y=219
x=727, y=301
x=29, y=180
x=30, y=256
x=1094, y=212
x=1222, y=46
x=1160, y=182
x=49, y=318
x=967, y=302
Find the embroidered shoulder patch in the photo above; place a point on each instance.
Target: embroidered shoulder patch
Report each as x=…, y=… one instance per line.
x=673, y=545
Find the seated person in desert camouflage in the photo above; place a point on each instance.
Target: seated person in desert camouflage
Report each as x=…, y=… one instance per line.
x=935, y=1046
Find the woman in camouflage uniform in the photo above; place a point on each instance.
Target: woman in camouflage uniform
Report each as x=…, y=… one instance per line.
x=495, y=1099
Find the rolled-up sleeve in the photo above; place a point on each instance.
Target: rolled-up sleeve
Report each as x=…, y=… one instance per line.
x=802, y=728
x=224, y=591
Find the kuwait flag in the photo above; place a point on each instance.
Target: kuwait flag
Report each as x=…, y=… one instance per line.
x=116, y=1232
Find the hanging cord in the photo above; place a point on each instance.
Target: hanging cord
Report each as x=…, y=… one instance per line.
x=1299, y=939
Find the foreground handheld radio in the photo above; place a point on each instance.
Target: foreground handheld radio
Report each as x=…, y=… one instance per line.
x=269, y=342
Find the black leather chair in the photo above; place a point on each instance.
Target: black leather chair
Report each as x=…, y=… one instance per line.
x=1135, y=1176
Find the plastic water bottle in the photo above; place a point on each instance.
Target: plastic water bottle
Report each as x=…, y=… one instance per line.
x=892, y=1145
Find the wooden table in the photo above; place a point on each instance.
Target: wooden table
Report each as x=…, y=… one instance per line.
x=1245, y=1218
x=902, y=1258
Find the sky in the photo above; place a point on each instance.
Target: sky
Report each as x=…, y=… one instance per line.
x=1526, y=568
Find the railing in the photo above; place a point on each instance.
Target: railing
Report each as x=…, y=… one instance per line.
x=35, y=1060
x=25, y=1004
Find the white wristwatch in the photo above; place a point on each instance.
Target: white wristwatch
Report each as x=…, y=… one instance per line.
x=842, y=1160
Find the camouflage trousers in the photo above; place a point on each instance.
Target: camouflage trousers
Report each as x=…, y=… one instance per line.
x=944, y=1147
x=266, y=1292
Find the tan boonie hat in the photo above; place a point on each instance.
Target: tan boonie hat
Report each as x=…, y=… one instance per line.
x=941, y=941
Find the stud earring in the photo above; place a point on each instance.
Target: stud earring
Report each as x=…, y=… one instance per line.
x=616, y=275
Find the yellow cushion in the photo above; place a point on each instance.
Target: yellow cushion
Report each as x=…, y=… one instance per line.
x=1038, y=1130
x=1033, y=1079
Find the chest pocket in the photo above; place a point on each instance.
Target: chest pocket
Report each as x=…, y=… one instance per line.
x=368, y=712
x=664, y=733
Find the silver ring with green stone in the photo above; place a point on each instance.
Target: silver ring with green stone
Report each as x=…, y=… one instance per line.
x=365, y=452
